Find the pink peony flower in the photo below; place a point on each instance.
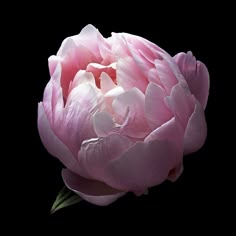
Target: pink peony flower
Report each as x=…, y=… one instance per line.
x=120, y=113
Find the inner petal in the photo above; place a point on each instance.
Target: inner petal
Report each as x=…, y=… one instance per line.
x=97, y=69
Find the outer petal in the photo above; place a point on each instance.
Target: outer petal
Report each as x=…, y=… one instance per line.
x=196, y=75
x=74, y=126
x=156, y=110
x=52, y=63
x=196, y=131
x=96, y=153
x=52, y=143
x=92, y=191
x=171, y=130
x=143, y=165
x=52, y=98
x=181, y=102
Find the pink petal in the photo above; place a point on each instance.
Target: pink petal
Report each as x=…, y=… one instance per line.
x=97, y=69
x=52, y=98
x=96, y=153
x=75, y=125
x=106, y=83
x=103, y=124
x=92, y=191
x=170, y=62
x=87, y=95
x=171, y=131
x=73, y=57
x=129, y=75
x=196, y=75
x=143, y=165
x=181, y=102
x=148, y=49
x=165, y=75
x=52, y=143
x=52, y=63
x=196, y=131
x=129, y=107
x=156, y=110
x=141, y=59
x=82, y=77
x=91, y=38
x=119, y=46
x=153, y=77
x=110, y=91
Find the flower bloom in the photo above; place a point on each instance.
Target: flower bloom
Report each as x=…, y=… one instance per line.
x=120, y=113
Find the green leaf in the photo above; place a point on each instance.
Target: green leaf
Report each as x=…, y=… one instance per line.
x=65, y=198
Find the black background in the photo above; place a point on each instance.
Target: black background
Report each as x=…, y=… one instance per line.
x=199, y=196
